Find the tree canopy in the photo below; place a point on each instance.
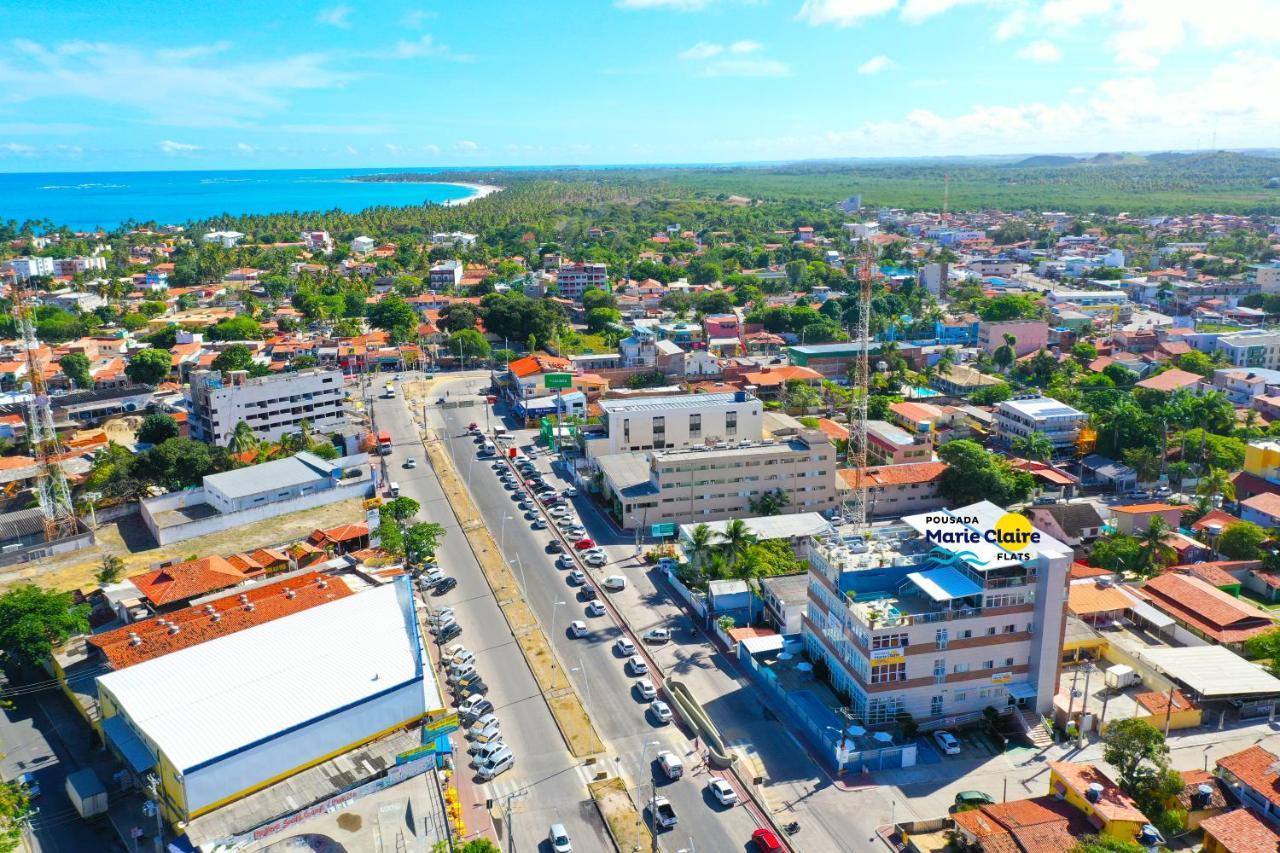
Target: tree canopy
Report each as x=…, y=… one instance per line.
x=33, y=620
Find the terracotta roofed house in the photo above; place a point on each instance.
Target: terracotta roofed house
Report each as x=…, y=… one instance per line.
x=1263, y=509
x=899, y=489
x=1113, y=812
x=1035, y=825
x=1172, y=380
x=177, y=584
x=1254, y=777
x=1239, y=831
x=1206, y=610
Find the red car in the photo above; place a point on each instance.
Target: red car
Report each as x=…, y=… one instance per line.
x=766, y=841
x=585, y=543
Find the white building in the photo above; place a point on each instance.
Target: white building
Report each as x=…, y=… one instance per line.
x=861, y=230
x=445, y=274
x=26, y=268
x=1254, y=348
x=1020, y=417
x=573, y=280
x=362, y=245
x=1266, y=276
x=936, y=629
x=225, y=239
x=272, y=406
x=460, y=239
x=684, y=420
x=74, y=266
x=219, y=720
x=317, y=241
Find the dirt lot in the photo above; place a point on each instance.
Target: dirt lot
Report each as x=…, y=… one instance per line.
x=129, y=539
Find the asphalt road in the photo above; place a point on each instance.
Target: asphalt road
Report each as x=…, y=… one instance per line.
x=620, y=715
x=551, y=781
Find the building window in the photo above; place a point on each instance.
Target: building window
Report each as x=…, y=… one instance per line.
x=1009, y=629
x=988, y=664
x=695, y=426
x=935, y=706
x=731, y=424
x=941, y=638
x=889, y=641
x=888, y=672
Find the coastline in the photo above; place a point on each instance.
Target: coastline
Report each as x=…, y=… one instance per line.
x=478, y=191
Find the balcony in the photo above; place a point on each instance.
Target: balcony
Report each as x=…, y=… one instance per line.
x=882, y=610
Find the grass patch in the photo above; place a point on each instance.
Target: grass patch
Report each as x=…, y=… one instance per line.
x=620, y=814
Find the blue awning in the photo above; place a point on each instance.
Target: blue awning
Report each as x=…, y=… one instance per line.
x=1022, y=690
x=944, y=584
x=128, y=744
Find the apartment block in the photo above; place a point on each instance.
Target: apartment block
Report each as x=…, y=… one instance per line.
x=272, y=406
x=1254, y=348
x=685, y=420
x=445, y=275
x=718, y=483
x=26, y=268
x=573, y=280
x=72, y=266
x=1021, y=416
x=933, y=629
x=1029, y=336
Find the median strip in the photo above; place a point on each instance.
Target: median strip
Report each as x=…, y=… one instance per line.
x=566, y=707
x=620, y=814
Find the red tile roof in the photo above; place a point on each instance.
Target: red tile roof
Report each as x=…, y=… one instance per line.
x=916, y=412
x=1216, y=573
x=1084, y=570
x=1215, y=516
x=772, y=376
x=1156, y=703
x=227, y=615
x=188, y=580
x=1265, y=503
x=1255, y=767
x=896, y=475
x=1240, y=831
x=1114, y=804
x=833, y=429
x=1171, y=380
x=1207, y=608
x=1036, y=825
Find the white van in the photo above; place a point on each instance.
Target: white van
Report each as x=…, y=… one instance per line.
x=488, y=449
x=395, y=489
x=500, y=762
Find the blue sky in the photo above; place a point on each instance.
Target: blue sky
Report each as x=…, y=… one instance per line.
x=154, y=84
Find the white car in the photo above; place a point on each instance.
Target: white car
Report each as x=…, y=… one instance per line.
x=411, y=462
x=646, y=689
x=443, y=616
x=539, y=524
x=656, y=635
x=564, y=561
x=723, y=792
x=615, y=583
x=570, y=492
x=568, y=522
x=595, y=558
x=637, y=666
x=624, y=647
x=460, y=658
x=671, y=764
x=559, y=839
x=575, y=578
x=558, y=511
x=576, y=532
x=596, y=608
x=661, y=710
x=481, y=724
x=577, y=628
x=455, y=650
x=947, y=742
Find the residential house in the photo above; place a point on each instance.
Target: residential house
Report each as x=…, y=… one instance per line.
x=175, y=585
x=1134, y=518
x=888, y=444
x=1203, y=796
x=1263, y=509
x=1029, y=336
x=1238, y=831
x=1074, y=524
x=770, y=382
x=1020, y=417
x=1253, y=775
x=895, y=490
x=1090, y=790
x=1173, y=380
x=1206, y=610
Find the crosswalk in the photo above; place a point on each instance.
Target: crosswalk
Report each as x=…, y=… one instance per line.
x=513, y=785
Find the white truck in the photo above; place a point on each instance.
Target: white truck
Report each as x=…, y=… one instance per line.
x=663, y=814
x=87, y=793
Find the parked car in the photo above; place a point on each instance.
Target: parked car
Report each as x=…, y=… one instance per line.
x=646, y=689
x=596, y=608
x=558, y=838
x=671, y=764
x=947, y=742
x=539, y=524
x=624, y=647
x=587, y=593
x=766, y=841
x=564, y=561
x=411, y=462
x=584, y=544
x=577, y=628
x=456, y=650
x=461, y=672
x=484, y=751
x=656, y=635
x=723, y=792
x=595, y=558
x=498, y=763
x=570, y=492
x=661, y=711
x=615, y=583
x=483, y=722
x=532, y=515
x=554, y=546
x=442, y=616
x=475, y=706
x=444, y=586
x=449, y=632
x=463, y=657
x=974, y=799
x=27, y=781
x=637, y=666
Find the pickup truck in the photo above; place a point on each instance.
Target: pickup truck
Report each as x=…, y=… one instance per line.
x=663, y=814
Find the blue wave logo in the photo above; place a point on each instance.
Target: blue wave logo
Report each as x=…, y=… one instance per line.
x=970, y=557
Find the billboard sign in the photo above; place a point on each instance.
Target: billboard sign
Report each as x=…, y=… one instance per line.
x=662, y=530
x=557, y=380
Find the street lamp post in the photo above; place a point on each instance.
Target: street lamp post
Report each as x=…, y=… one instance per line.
x=555, y=610
x=653, y=794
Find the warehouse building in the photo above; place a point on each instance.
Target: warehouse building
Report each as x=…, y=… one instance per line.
x=218, y=721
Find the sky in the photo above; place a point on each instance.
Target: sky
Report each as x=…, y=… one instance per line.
x=154, y=84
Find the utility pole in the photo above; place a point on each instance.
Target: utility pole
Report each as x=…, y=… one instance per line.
x=1168, y=711
x=1084, y=702
x=151, y=808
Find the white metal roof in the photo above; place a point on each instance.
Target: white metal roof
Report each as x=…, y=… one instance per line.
x=207, y=700
x=1212, y=671
x=772, y=526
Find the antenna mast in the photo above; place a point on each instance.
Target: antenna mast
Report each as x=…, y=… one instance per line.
x=861, y=385
x=52, y=493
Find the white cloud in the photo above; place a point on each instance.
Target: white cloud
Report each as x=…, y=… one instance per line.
x=351, y=149
x=18, y=149
x=843, y=13
x=431, y=149
x=875, y=65
x=1011, y=26
x=414, y=19
x=702, y=50
x=168, y=146
x=424, y=46
x=189, y=88
x=335, y=16
x=392, y=148
x=466, y=145
x=745, y=46
x=69, y=150
x=747, y=68
x=245, y=147
x=1040, y=50
x=915, y=11
x=677, y=5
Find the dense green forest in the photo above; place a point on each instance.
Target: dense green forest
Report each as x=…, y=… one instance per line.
x=1221, y=182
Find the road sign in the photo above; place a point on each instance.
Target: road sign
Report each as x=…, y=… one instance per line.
x=557, y=380
x=662, y=530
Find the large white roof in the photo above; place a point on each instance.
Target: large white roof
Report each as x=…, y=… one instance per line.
x=1212, y=671
x=216, y=697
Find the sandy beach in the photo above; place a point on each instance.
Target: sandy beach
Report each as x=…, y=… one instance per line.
x=480, y=190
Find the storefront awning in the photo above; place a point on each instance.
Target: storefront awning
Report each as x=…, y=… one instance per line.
x=944, y=584
x=1022, y=690
x=128, y=744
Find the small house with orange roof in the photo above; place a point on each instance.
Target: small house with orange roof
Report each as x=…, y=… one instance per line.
x=1112, y=812
x=1253, y=774
x=897, y=490
x=1133, y=518
x=1238, y=831
x=175, y=585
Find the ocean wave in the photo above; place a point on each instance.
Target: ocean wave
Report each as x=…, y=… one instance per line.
x=85, y=187
x=230, y=180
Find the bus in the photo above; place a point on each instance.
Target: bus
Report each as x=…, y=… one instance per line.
x=384, y=443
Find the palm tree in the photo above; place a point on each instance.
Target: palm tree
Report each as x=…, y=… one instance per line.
x=749, y=569
x=700, y=544
x=1154, y=553
x=304, y=433
x=1217, y=482
x=243, y=439
x=736, y=538
x=1036, y=446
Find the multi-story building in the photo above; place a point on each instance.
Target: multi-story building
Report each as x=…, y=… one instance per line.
x=362, y=245
x=445, y=275
x=888, y=444
x=225, y=239
x=26, y=268
x=1254, y=348
x=940, y=626
x=573, y=280
x=1265, y=276
x=685, y=420
x=272, y=406
x=72, y=266
x=1021, y=416
x=1029, y=336
x=317, y=241
x=716, y=483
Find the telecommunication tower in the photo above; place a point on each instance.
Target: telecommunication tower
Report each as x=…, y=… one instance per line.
x=861, y=385
x=52, y=492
